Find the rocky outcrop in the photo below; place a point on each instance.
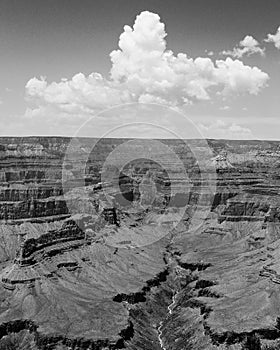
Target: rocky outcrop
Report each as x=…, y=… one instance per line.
x=33, y=208
x=69, y=232
x=70, y=286
x=251, y=207
x=36, y=250
x=15, y=193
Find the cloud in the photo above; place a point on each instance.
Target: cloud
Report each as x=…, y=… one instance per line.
x=246, y=47
x=144, y=70
x=209, y=53
x=224, y=108
x=274, y=38
x=81, y=94
x=223, y=130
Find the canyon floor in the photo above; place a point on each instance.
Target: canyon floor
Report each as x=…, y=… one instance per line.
x=197, y=270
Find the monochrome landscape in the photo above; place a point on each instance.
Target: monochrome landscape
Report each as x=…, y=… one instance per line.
x=140, y=200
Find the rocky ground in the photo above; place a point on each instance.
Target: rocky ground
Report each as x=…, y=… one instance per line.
x=88, y=272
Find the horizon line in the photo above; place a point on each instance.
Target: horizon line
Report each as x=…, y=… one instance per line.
x=130, y=138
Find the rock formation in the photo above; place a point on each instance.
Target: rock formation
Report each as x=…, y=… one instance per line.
x=75, y=272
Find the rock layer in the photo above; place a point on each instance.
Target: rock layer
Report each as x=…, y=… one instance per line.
x=73, y=275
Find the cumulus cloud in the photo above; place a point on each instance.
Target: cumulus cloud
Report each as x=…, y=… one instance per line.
x=144, y=70
x=246, y=47
x=80, y=94
x=274, y=38
x=223, y=130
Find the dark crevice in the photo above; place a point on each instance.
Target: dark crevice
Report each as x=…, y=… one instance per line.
x=204, y=284
x=194, y=266
x=248, y=339
x=140, y=297
x=206, y=292
x=45, y=342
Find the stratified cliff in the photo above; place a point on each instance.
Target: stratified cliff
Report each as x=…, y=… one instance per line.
x=113, y=272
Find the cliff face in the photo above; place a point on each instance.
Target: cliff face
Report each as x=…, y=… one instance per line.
x=96, y=279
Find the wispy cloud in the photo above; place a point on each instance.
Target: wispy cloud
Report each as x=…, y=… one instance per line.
x=222, y=130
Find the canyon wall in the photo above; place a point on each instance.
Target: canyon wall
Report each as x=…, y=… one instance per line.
x=76, y=277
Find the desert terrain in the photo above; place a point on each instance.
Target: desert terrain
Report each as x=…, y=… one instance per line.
x=83, y=270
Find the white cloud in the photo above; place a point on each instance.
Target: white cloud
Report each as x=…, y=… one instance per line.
x=223, y=130
x=78, y=95
x=238, y=78
x=224, y=108
x=209, y=53
x=246, y=47
x=274, y=38
x=143, y=70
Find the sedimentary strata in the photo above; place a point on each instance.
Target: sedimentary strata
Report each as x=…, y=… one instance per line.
x=75, y=276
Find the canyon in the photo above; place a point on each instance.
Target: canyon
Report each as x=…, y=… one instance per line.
x=151, y=260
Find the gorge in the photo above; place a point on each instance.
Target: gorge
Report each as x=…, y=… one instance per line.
x=85, y=267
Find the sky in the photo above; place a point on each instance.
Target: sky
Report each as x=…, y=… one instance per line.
x=64, y=62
